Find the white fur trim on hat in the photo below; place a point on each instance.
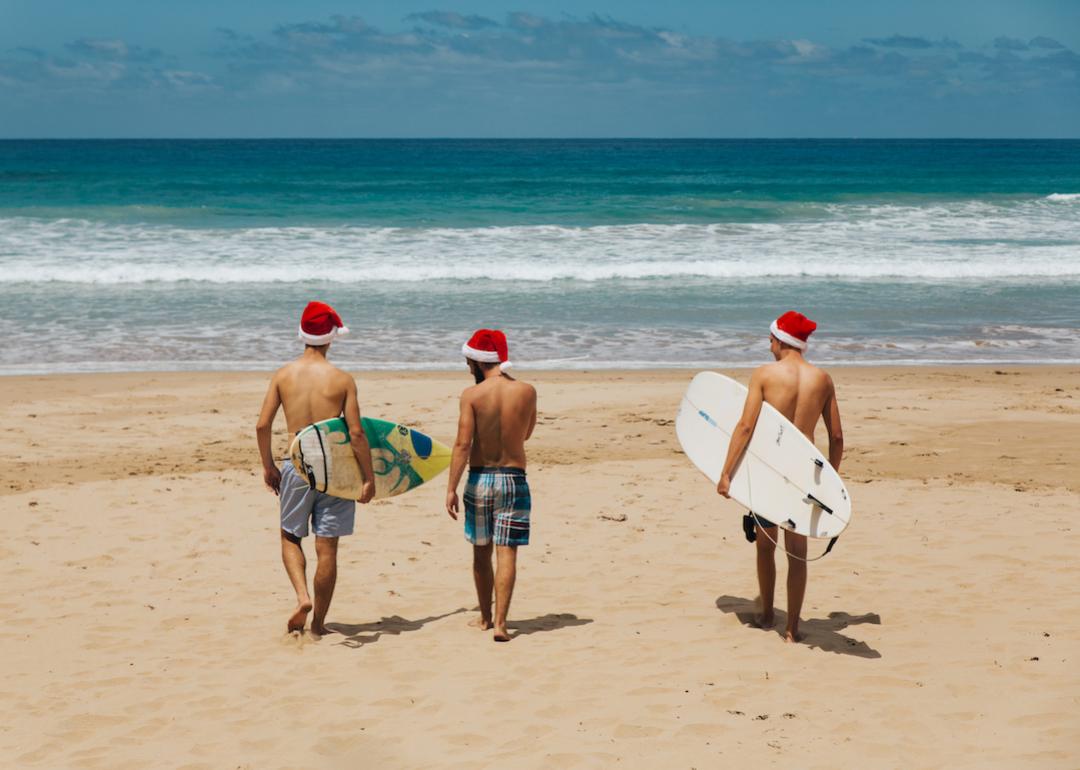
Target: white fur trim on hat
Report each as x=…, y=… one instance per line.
x=783, y=336
x=483, y=356
x=322, y=339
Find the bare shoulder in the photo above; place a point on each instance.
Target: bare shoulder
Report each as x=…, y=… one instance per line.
x=470, y=393
x=765, y=372
x=525, y=388
x=829, y=384
x=823, y=376
x=341, y=376
x=282, y=373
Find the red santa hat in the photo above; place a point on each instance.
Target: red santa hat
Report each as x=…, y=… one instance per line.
x=320, y=323
x=793, y=328
x=488, y=346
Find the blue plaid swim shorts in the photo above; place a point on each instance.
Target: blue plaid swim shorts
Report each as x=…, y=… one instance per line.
x=497, y=506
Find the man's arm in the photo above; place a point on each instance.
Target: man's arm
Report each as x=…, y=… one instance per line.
x=830, y=413
x=263, y=431
x=744, y=429
x=532, y=417
x=459, y=458
x=358, y=440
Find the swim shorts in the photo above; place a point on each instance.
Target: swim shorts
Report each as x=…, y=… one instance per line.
x=497, y=506
x=330, y=516
x=762, y=521
x=748, y=523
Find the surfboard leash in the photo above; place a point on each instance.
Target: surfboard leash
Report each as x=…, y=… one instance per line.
x=764, y=529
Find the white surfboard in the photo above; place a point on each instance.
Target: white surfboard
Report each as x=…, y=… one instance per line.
x=782, y=476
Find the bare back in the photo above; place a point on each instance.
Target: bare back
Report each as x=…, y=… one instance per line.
x=798, y=390
x=311, y=389
x=504, y=415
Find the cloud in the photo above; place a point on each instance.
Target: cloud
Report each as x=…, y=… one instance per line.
x=445, y=57
x=453, y=20
x=522, y=20
x=232, y=36
x=36, y=53
x=917, y=43
x=95, y=64
x=1010, y=44
x=1045, y=42
x=112, y=50
x=452, y=51
x=187, y=80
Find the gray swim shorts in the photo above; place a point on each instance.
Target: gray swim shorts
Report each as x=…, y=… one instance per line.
x=330, y=516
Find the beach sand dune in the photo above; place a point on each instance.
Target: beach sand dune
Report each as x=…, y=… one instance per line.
x=146, y=603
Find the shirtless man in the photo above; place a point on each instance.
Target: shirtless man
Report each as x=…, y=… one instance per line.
x=801, y=392
x=497, y=417
x=312, y=389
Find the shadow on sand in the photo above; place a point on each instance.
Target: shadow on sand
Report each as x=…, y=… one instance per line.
x=549, y=622
x=819, y=633
x=359, y=634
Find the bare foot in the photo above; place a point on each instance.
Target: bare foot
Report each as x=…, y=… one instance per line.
x=482, y=623
x=764, y=622
x=501, y=634
x=299, y=616
x=320, y=630
x=792, y=637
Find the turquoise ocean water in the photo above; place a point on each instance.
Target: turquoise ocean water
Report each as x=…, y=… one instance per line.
x=594, y=253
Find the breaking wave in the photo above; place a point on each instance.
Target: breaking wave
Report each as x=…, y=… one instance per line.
x=965, y=240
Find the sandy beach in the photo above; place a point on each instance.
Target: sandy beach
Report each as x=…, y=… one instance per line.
x=146, y=602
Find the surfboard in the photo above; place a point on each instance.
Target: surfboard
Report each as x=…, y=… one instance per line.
x=401, y=457
x=782, y=476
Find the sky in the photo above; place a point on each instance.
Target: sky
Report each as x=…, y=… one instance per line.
x=485, y=68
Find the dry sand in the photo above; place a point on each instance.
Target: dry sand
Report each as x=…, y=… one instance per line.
x=146, y=604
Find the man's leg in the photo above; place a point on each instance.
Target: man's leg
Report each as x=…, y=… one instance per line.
x=795, y=545
x=505, y=575
x=766, y=573
x=325, y=579
x=485, y=582
x=292, y=555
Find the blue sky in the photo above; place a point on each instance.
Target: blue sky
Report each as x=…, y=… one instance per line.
x=487, y=68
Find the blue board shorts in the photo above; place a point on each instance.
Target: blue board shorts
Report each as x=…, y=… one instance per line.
x=329, y=516
x=497, y=506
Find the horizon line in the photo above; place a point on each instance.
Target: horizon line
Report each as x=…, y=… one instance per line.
x=434, y=138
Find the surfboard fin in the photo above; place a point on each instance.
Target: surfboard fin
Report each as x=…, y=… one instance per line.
x=811, y=499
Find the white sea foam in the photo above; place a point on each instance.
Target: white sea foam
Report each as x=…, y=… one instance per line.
x=965, y=240
x=1064, y=197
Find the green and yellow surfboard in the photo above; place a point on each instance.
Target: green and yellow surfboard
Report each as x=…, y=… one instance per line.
x=401, y=457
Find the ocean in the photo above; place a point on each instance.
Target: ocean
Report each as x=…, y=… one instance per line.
x=144, y=255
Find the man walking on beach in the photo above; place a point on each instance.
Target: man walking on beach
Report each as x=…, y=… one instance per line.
x=311, y=389
x=801, y=392
x=497, y=417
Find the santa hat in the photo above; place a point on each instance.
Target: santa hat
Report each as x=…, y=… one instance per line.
x=488, y=346
x=793, y=328
x=320, y=323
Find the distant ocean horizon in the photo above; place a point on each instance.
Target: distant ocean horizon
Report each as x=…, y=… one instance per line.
x=602, y=253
